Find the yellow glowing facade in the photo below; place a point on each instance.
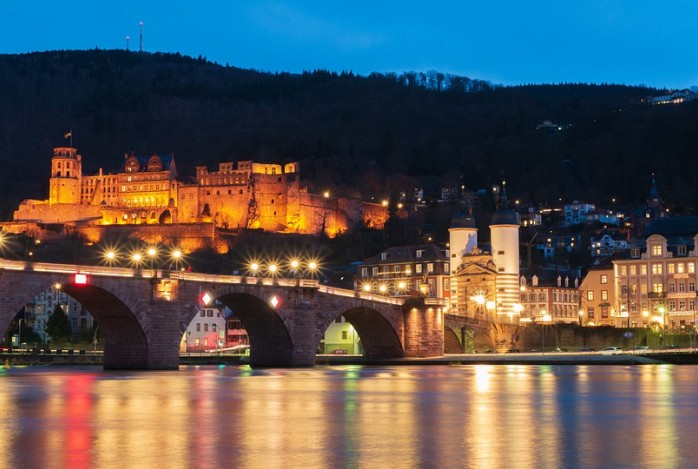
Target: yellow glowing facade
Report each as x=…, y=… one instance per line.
x=241, y=194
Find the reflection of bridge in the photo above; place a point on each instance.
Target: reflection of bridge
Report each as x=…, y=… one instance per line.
x=144, y=312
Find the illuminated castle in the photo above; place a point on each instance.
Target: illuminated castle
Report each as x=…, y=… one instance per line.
x=146, y=191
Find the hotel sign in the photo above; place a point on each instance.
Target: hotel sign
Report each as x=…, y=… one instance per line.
x=682, y=295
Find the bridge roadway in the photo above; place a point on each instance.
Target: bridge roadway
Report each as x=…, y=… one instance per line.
x=143, y=313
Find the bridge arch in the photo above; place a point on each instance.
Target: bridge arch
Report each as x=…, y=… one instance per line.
x=379, y=337
x=125, y=340
x=453, y=339
x=270, y=341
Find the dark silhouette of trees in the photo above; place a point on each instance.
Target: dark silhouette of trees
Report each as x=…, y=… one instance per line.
x=58, y=325
x=344, y=129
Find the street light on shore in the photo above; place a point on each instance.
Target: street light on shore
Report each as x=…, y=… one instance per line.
x=545, y=318
x=661, y=310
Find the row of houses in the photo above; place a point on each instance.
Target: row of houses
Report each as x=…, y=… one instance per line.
x=648, y=282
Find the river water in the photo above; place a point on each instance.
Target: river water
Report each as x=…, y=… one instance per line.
x=479, y=416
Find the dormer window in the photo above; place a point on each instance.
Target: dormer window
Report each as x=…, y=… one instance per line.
x=384, y=256
x=681, y=250
x=635, y=253
x=656, y=250
x=419, y=253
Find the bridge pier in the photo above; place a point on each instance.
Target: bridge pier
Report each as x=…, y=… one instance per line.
x=423, y=329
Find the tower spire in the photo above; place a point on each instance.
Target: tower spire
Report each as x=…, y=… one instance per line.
x=504, y=201
x=653, y=200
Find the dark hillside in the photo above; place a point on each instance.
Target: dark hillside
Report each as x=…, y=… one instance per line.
x=349, y=132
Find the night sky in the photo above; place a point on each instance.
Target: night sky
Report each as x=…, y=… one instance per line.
x=508, y=42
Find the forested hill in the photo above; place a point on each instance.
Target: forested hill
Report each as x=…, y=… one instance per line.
x=374, y=134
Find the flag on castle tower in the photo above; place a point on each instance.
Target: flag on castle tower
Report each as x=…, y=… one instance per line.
x=68, y=135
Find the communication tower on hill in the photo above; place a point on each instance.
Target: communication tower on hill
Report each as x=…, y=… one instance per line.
x=140, y=47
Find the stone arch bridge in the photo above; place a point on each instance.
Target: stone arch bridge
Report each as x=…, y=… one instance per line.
x=143, y=313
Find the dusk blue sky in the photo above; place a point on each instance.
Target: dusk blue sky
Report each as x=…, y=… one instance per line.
x=509, y=42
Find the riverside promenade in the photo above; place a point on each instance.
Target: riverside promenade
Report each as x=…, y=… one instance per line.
x=677, y=357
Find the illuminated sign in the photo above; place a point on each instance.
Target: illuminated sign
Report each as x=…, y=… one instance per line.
x=206, y=298
x=80, y=279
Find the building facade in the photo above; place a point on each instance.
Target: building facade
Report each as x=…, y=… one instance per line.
x=485, y=285
x=43, y=305
x=558, y=300
x=241, y=194
x=657, y=284
x=406, y=271
x=207, y=331
x=597, y=298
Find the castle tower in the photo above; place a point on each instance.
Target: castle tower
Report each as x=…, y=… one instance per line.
x=462, y=237
x=66, y=176
x=504, y=232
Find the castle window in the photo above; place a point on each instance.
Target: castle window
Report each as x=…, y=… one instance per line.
x=240, y=191
x=279, y=179
x=272, y=201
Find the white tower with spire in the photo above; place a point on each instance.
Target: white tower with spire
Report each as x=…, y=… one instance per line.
x=504, y=232
x=462, y=237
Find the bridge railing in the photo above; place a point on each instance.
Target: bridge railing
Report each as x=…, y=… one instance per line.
x=106, y=271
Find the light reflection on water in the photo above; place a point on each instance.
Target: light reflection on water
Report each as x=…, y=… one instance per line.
x=488, y=416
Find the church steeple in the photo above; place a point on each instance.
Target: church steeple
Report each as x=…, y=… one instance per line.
x=653, y=200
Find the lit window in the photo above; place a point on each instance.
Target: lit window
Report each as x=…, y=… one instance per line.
x=590, y=295
x=604, y=295
x=656, y=250
x=604, y=279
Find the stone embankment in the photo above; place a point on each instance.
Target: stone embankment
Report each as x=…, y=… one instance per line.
x=83, y=357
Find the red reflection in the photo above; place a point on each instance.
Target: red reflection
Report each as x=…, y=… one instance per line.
x=77, y=422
